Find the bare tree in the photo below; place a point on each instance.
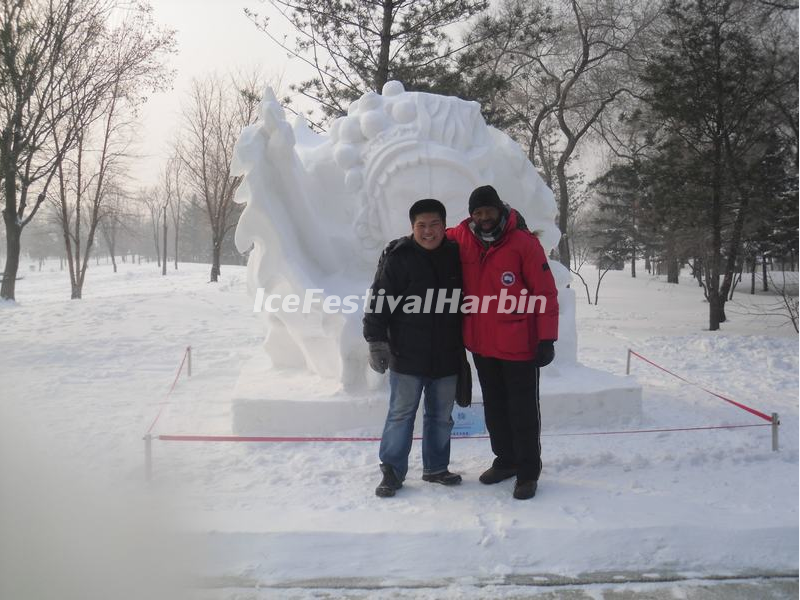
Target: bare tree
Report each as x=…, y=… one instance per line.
x=152, y=201
x=114, y=218
x=101, y=92
x=564, y=61
x=36, y=39
x=174, y=190
x=164, y=237
x=579, y=234
x=62, y=67
x=787, y=293
x=216, y=112
x=82, y=189
x=785, y=306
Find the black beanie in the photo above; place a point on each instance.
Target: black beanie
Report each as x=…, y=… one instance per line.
x=428, y=205
x=485, y=195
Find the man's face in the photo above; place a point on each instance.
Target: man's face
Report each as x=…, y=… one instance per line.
x=428, y=230
x=486, y=217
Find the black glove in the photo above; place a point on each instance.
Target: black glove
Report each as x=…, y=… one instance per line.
x=379, y=356
x=545, y=353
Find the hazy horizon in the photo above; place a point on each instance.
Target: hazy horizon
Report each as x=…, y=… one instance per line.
x=212, y=35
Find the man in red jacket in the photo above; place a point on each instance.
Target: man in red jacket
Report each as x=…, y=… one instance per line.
x=510, y=325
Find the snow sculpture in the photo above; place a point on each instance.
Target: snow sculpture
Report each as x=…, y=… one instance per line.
x=321, y=207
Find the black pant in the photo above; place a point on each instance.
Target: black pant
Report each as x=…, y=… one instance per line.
x=511, y=406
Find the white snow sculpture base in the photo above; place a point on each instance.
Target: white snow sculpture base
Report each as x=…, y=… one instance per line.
x=269, y=401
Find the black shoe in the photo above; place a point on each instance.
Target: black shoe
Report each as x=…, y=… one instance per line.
x=496, y=475
x=389, y=484
x=445, y=478
x=525, y=489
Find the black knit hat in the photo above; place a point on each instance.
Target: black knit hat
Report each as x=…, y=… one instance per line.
x=485, y=195
x=427, y=205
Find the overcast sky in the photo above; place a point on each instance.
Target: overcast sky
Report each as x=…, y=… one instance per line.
x=216, y=35
x=211, y=35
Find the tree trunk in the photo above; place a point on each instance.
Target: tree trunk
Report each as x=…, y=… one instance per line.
x=563, y=213
x=734, y=248
x=737, y=278
x=633, y=244
x=597, y=289
x=13, y=237
x=177, y=221
x=215, y=259
x=164, y=237
x=156, y=238
x=715, y=312
x=764, y=284
x=112, y=250
x=698, y=271
x=753, y=277
x=600, y=275
x=673, y=269
x=382, y=72
x=648, y=267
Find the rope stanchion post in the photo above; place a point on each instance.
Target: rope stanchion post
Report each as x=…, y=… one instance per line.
x=148, y=436
x=148, y=457
x=775, y=423
x=773, y=419
x=628, y=367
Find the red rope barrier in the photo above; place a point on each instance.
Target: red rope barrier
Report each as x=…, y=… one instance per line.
x=234, y=438
x=171, y=388
x=291, y=439
x=295, y=439
x=656, y=430
x=721, y=397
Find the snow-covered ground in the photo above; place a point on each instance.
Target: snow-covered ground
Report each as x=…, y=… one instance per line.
x=81, y=381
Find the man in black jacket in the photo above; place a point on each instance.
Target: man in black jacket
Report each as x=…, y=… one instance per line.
x=413, y=326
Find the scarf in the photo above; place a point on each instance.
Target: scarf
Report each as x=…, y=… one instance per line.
x=490, y=237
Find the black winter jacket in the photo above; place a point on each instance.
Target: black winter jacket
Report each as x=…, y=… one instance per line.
x=424, y=343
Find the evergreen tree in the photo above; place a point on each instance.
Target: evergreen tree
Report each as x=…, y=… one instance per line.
x=711, y=81
x=358, y=45
x=619, y=190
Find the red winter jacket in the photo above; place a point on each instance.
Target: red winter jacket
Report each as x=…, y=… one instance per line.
x=515, y=263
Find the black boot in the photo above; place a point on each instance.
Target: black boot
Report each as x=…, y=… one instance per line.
x=389, y=484
x=525, y=489
x=445, y=478
x=496, y=475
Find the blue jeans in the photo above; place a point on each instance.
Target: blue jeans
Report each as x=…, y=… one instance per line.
x=437, y=422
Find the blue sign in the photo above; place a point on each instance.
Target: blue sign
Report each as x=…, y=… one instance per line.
x=468, y=421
